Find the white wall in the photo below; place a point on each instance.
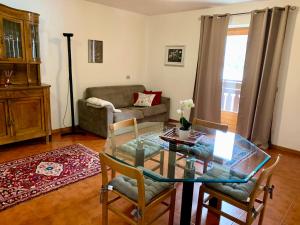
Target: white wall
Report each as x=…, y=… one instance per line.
x=122, y=32
x=178, y=82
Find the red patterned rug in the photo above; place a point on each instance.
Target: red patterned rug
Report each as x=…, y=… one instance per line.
x=23, y=179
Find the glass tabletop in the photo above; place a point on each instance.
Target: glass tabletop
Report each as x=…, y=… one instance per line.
x=214, y=157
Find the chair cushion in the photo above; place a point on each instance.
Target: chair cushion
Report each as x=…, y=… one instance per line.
x=127, y=113
x=201, y=151
x=130, y=148
x=152, y=110
x=238, y=191
x=128, y=187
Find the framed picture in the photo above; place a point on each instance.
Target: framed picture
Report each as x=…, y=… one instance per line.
x=95, y=51
x=174, y=55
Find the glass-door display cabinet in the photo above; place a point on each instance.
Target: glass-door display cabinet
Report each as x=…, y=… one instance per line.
x=12, y=39
x=24, y=100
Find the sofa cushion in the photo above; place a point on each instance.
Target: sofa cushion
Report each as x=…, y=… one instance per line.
x=157, y=98
x=119, y=96
x=127, y=113
x=152, y=110
x=144, y=99
x=128, y=187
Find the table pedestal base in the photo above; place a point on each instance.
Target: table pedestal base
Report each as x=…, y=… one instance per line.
x=186, y=203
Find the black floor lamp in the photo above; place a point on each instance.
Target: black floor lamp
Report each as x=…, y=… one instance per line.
x=73, y=128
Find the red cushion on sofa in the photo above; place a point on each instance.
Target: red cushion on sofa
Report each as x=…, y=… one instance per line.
x=157, y=98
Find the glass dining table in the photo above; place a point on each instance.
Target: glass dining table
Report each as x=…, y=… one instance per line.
x=207, y=156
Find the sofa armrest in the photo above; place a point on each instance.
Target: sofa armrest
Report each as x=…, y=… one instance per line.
x=94, y=119
x=166, y=101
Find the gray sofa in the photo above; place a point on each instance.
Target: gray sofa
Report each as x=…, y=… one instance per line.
x=96, y=120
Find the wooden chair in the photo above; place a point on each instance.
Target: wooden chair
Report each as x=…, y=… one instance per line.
x=117, y=150
x=250, y=201
x=204, y=123
x=140, y=186
x=209, y=124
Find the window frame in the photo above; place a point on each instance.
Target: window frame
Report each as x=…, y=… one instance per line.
x=238, y=31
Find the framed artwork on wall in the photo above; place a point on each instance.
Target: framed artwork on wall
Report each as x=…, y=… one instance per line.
x=174, y=55
x=95, y=51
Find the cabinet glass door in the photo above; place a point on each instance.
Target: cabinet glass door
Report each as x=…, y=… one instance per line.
x=35, y=44
x=12, y=35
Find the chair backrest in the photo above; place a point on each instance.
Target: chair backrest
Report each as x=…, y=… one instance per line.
x=132, y=172
x=119, y=125
x=264, y=179
x=123, y=124
x=209, y=124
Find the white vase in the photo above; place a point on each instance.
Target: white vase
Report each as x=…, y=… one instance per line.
x=183, y=134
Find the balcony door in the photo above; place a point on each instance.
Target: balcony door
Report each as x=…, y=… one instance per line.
x=235, y=53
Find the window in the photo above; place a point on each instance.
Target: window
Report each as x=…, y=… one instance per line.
x=235, y=53
x=234, y=61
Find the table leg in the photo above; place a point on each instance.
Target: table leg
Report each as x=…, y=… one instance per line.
x=186, y=203
x=172, y=160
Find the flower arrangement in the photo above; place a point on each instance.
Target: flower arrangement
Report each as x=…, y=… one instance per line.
x=185, y=105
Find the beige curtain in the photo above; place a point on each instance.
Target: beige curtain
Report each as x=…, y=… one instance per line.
x=208, y=83
x=258, y=91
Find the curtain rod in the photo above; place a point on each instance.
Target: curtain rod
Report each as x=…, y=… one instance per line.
x=249, y=12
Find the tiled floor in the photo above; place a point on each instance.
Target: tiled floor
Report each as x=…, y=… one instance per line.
x=78, y=204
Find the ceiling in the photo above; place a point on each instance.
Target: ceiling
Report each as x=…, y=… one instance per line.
x=155, y=7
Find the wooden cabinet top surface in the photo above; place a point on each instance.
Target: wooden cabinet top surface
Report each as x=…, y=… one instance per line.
x=19, y=87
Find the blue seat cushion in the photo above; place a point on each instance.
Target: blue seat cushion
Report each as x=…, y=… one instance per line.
x=238, y=191
x=128, y=187
x=130, y=148
x=199, y=150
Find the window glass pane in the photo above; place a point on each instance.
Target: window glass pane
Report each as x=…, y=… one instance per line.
x=12, y=39
x=35, y=45
x=235, y=57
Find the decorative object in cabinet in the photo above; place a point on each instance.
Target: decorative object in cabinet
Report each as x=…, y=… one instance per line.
x=13, y=40
x=35, y=45
x=7, y=75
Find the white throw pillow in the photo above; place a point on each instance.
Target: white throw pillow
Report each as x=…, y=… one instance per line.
x=144, y=99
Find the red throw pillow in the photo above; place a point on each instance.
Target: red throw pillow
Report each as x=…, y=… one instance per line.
x=147, y=92
x=157, y=98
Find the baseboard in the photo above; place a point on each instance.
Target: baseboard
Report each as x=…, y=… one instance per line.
x=173, y=121
x=62, y=130
x=284, y=149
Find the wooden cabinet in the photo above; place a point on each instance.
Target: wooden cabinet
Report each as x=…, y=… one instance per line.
x=21, y=114
x=25, y=113
x=4, y=120
x=19, y=47
x=24, y=101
